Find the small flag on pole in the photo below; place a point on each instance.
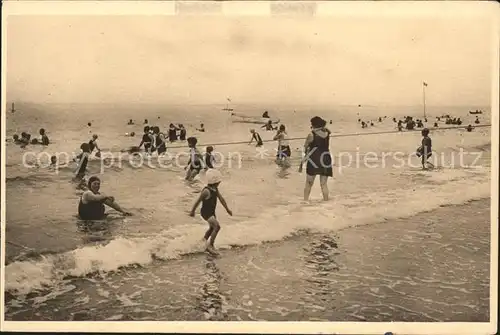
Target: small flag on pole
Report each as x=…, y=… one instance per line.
x=425, y=84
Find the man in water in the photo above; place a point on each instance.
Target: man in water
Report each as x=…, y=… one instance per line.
x=209, y=158
x=182, y=132
x=91, y=205
x=208, y=198
x=83, y=160
x=195, y=162
x=93, y=145
x=256, y=137
x=159, y=141
x=425, y=150
x=172, y=133
x=147, y=140
x=284, y=151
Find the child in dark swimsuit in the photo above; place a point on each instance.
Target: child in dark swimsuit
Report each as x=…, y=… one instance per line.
x=208, y=199
x=425, y=150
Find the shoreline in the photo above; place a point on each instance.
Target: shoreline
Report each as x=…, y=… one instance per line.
x=369, y=264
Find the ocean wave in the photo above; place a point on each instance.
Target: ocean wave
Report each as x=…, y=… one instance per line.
x=23, y=277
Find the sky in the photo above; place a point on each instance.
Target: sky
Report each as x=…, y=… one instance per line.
x=275, y=60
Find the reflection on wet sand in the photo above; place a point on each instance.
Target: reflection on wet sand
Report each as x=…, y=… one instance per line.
x=320, y=259
x=211, y=301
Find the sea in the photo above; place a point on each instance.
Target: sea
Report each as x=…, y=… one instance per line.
x=282, y=258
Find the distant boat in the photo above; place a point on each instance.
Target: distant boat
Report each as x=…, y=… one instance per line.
x=474, y=113
x=240, y=118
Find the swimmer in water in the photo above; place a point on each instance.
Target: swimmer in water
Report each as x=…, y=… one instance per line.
x=16, y=139
x=425, y=150
x=146, y=140
x=182, y=132
x=83, y=160
x=209, y=158
x=195, y=162
x=269, y=126
x=208, y=198
x=130, y=122
x=256, y=137
x=172, y=133
x=45, y=139
x=25, y=139
x=91, y=205
x=284, y=152
x=93, y=145
x=202, y=128
x=161, y=146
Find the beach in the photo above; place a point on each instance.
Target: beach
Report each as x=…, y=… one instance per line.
x=393, y=242
x=431, y=267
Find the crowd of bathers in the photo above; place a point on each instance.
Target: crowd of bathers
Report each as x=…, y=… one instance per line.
x=317, y=159
x=411, y=123
x=26, y=139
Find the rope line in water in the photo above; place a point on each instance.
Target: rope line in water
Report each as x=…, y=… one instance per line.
x=333, y=135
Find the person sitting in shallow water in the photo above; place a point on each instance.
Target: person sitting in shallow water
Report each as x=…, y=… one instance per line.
x=269, y=126
x=469, y=128
x=91, y=205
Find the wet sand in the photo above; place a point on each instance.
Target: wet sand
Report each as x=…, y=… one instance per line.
x=431, y=267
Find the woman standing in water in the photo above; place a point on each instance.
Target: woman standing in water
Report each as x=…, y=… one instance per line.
x=318, y=158
x=91, y=205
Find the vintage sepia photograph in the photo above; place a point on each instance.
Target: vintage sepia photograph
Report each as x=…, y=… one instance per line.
x=317, y=167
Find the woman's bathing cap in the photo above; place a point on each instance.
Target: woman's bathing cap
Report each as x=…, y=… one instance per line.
x=213, y=176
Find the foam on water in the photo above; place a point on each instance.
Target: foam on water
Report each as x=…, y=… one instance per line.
x=23, y=277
